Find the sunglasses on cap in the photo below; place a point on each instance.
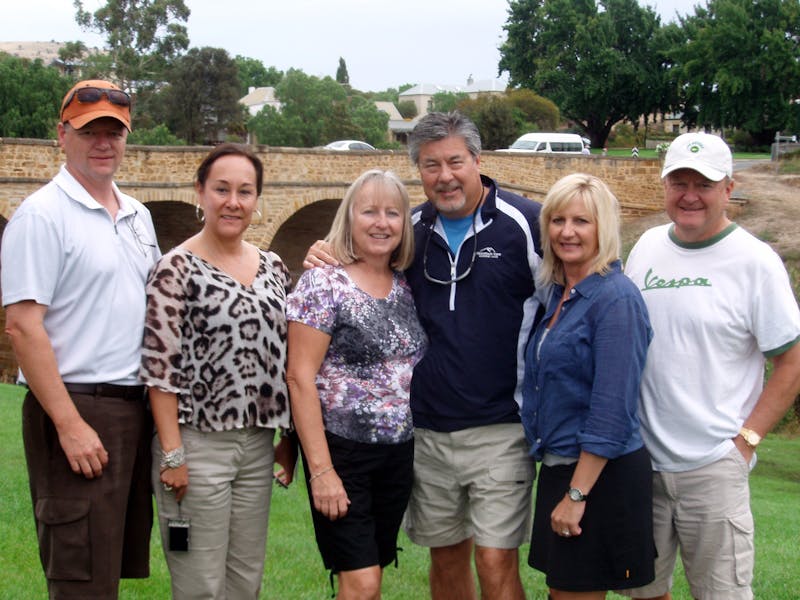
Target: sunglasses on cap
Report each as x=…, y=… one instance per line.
x=91, y=95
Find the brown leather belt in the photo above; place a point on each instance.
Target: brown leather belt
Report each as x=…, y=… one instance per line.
x=109, y=390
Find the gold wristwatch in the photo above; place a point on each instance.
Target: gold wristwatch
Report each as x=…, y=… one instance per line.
x=750, y=437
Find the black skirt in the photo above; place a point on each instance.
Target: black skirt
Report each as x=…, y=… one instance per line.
x=615, y=549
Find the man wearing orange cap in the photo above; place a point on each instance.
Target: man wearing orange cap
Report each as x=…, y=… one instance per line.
x=75, y=258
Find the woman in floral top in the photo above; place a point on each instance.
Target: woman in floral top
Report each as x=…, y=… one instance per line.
x=214, y=354
x=354, y=338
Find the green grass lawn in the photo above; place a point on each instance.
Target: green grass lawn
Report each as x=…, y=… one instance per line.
x=294, y=569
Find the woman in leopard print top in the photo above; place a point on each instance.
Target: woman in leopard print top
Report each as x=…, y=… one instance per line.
x=214, y=354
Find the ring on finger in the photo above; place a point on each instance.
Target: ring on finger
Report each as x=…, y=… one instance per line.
x=565, y=532
x=167, y=487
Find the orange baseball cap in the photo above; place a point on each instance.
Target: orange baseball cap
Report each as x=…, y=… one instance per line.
x=94, y=98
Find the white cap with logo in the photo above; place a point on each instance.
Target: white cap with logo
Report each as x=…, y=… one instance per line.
x=707, y=154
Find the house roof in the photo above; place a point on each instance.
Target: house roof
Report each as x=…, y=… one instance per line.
x=403, y=125
x=482, y=85
x=259, y=95
x=390, y=109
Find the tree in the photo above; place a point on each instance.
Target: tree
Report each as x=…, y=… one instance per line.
x=160, y=135
x=341, y=73
x=389, y=94
x=253, y=73
x=537, y=113
x=372, y=124
x=142, y=37
x=307, y=104
x=316, y=111
x=407, y=109
x=70, y=54
x=738, y=64
x=30, y=94
x=496, y=118
x=446, y=101
x=201, y=102
x=596, y=65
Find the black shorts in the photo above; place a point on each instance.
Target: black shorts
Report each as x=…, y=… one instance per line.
x=615, y=549
x=377, y=478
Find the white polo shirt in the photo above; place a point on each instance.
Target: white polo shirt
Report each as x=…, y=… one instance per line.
x=61, y=249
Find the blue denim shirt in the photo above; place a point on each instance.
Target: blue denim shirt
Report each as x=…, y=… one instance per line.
x=582, y=391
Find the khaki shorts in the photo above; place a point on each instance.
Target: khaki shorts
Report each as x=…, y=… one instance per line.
x=705, y=513
x=475, y=483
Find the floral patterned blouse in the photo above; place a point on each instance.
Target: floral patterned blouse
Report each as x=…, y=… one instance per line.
x=364, y=380
x=220, y=346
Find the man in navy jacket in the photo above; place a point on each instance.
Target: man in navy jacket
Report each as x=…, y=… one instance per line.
x=473, y=281
x=476, y=254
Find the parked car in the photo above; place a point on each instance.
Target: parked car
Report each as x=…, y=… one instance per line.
x=349, y=145
x=569, y=143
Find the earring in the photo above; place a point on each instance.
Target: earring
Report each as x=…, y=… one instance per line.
x=198, y=212
x=258, y=214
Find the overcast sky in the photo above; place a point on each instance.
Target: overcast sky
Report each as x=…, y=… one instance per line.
x=385, y=44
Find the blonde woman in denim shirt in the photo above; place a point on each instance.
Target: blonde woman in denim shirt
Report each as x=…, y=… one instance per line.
x=592, y=526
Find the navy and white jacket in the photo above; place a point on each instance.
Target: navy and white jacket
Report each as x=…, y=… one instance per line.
x=479, y=326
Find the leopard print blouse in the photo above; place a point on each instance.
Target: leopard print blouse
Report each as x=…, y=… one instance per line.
x=218, y=345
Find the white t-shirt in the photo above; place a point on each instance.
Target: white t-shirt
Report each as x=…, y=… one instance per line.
x=61, y=249
x=717, y=309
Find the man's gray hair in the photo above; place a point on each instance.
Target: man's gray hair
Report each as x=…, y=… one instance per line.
x=436, y=126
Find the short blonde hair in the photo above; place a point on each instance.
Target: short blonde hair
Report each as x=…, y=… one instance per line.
x=340, y=236
x=604, y=210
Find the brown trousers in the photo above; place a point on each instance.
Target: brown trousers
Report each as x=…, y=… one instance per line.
x=91, y=532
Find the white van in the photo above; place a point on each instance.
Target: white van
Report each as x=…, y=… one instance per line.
x=569, y=143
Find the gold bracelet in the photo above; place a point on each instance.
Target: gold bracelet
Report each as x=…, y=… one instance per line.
x=315, y=475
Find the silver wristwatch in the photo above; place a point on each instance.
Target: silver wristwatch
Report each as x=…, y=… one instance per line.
x=576, y=495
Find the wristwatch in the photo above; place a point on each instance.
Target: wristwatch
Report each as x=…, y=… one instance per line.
x=750, y=437
x=576, y=495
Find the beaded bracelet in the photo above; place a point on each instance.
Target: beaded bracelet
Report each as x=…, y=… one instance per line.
x=174, y=458
x=315, y=475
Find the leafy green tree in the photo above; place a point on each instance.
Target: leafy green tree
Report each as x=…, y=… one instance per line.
x=253, y=73
x=372, y=125
x=446, y=101
x=389, y=94
x=739, y=65
x=316, y=111
x=496, y=118
x=407, y=109
x=312, y=99
x=71, y=54
x=142, y=37
x=537, y=113
x=595, y=60
x=30, y=96
x=308, y=105
x=274, y=128
x=160, y=135
x=341, y=73
x=201, y=102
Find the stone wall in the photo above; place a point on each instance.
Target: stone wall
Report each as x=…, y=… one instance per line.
x=295, y=179
x=292, y=175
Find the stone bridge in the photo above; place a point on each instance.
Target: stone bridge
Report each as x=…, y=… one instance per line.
x=302, y=189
